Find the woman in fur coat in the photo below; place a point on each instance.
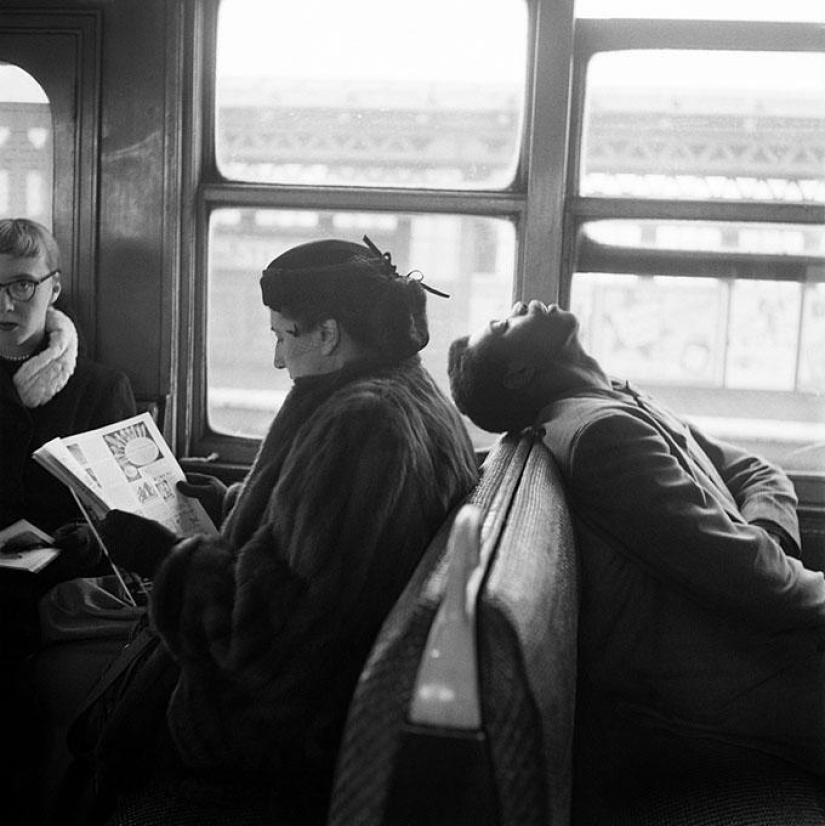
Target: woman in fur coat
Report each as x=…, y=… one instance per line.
x=271, y=622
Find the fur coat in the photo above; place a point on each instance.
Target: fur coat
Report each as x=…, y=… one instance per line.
x=54, y=393
x=272, y=622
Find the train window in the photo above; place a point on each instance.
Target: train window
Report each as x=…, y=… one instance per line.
x=469, y=257
x=797, y=10
x=26, y=151
x=379, y=95
x=378, y=122
x=697, y=215
x=698, y=124
x=740, y=357
x=656, y=165
x=784, y=240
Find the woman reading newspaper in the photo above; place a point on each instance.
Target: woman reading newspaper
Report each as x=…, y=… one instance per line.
x=270, y=623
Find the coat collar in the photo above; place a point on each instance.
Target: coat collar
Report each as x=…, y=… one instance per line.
x=45, y=374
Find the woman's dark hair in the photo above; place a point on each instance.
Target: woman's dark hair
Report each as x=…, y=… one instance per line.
x=477, y=386
x=24, y=238
x=357, y=286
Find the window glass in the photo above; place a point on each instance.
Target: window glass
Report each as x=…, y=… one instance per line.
x=426, y=94
x=704, y=125
x=471, y=258
x=803, y=11
x=26, y=151
x=668, y=330
x=711, y=236
x=741, y=357
x=812, y=351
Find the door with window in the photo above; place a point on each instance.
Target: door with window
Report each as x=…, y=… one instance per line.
x=48, y=135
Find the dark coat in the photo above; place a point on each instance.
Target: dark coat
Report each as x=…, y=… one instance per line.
x=94, y=396
x=693, y=617
x=272, y=622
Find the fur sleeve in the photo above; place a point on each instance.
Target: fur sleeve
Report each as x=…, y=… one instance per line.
x=262, y=631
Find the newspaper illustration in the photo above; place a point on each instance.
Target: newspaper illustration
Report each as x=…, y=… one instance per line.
x=128, y=466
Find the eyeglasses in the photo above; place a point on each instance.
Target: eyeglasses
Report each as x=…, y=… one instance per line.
x=23, y=289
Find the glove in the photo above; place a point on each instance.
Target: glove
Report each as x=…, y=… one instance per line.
x=208, y=490
x=79, y=542
x=82, y=554
x=135, y=543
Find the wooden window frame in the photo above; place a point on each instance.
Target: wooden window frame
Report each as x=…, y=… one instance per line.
x=543, y=202
x=534, y=203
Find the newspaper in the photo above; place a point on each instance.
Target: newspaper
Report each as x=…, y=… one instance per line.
x=128, y=466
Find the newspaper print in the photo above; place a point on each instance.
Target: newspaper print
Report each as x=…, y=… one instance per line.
x=136, y=471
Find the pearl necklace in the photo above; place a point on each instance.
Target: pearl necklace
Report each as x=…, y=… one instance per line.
x=15, y=358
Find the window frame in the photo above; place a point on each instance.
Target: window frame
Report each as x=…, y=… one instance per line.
x=543, y=202
x=534, y=202
x=61, y=50
x=594, y=36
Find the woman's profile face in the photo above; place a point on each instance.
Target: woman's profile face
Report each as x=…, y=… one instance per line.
x=298, y=349
x=23, y=323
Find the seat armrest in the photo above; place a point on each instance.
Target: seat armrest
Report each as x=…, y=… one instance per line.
x=443, y=772
x=446, y=688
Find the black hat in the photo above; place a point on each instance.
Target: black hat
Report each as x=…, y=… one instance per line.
x=356, y=285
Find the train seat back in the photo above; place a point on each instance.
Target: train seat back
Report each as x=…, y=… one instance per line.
x=514, y=767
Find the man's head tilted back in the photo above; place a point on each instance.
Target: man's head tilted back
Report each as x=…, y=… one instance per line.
x=504, y=374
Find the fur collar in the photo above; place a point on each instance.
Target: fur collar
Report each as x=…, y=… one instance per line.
x=45, y=374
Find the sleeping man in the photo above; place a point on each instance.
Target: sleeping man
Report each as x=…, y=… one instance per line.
x=697, y=617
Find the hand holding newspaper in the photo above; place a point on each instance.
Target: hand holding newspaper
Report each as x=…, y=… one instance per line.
x=129, y=466
x=126, y=466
